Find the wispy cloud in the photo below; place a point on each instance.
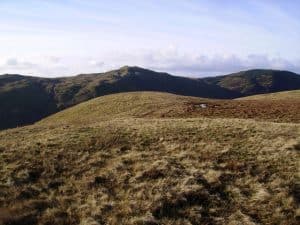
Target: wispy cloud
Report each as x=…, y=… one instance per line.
x=42, y=66
x=168, y=60
x=205, y=37
x=187, y=64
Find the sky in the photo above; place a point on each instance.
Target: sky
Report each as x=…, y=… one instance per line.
x=183, y=37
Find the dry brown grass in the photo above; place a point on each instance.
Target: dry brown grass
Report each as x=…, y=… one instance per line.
x=128, y=170
x=283, y=95
x=262, y=110
x=163, y=105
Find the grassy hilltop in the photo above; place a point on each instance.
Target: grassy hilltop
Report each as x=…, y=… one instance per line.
x=150, y=158
x=160, y=105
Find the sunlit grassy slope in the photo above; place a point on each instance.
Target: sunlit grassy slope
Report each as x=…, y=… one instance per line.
x=133, y=104
x=284, y=95
x=162, y=105
x=149, y=158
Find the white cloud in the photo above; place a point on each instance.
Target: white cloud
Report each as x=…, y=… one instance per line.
x=15, y=63
x=54, y=59
x=192, y=64
x=170, y=60
x=12, y=62
x=218, y=64
x=204, y=37
x=95, y=63
x=37, y=66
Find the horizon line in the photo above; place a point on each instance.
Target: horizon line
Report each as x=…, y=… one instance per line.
x=144, y=68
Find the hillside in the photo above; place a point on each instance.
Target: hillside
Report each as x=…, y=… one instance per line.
x=24, y=100
x=148, y=158
x=253, y=82
x=123, y=105
x=283, y=95
x=164, y=105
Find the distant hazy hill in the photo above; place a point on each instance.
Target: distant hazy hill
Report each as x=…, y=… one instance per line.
x=24, y=99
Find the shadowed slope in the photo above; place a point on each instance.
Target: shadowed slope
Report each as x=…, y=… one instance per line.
x=253, y=82
x=24, y=100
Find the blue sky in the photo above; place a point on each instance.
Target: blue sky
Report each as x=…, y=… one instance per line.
x=184, y=37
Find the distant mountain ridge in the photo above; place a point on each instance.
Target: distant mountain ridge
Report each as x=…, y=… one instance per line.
x=25, y=99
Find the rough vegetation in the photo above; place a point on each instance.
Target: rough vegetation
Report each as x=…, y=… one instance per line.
x=283, y=95
x=24, y=100
x=162, y=105
x=113, y=164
